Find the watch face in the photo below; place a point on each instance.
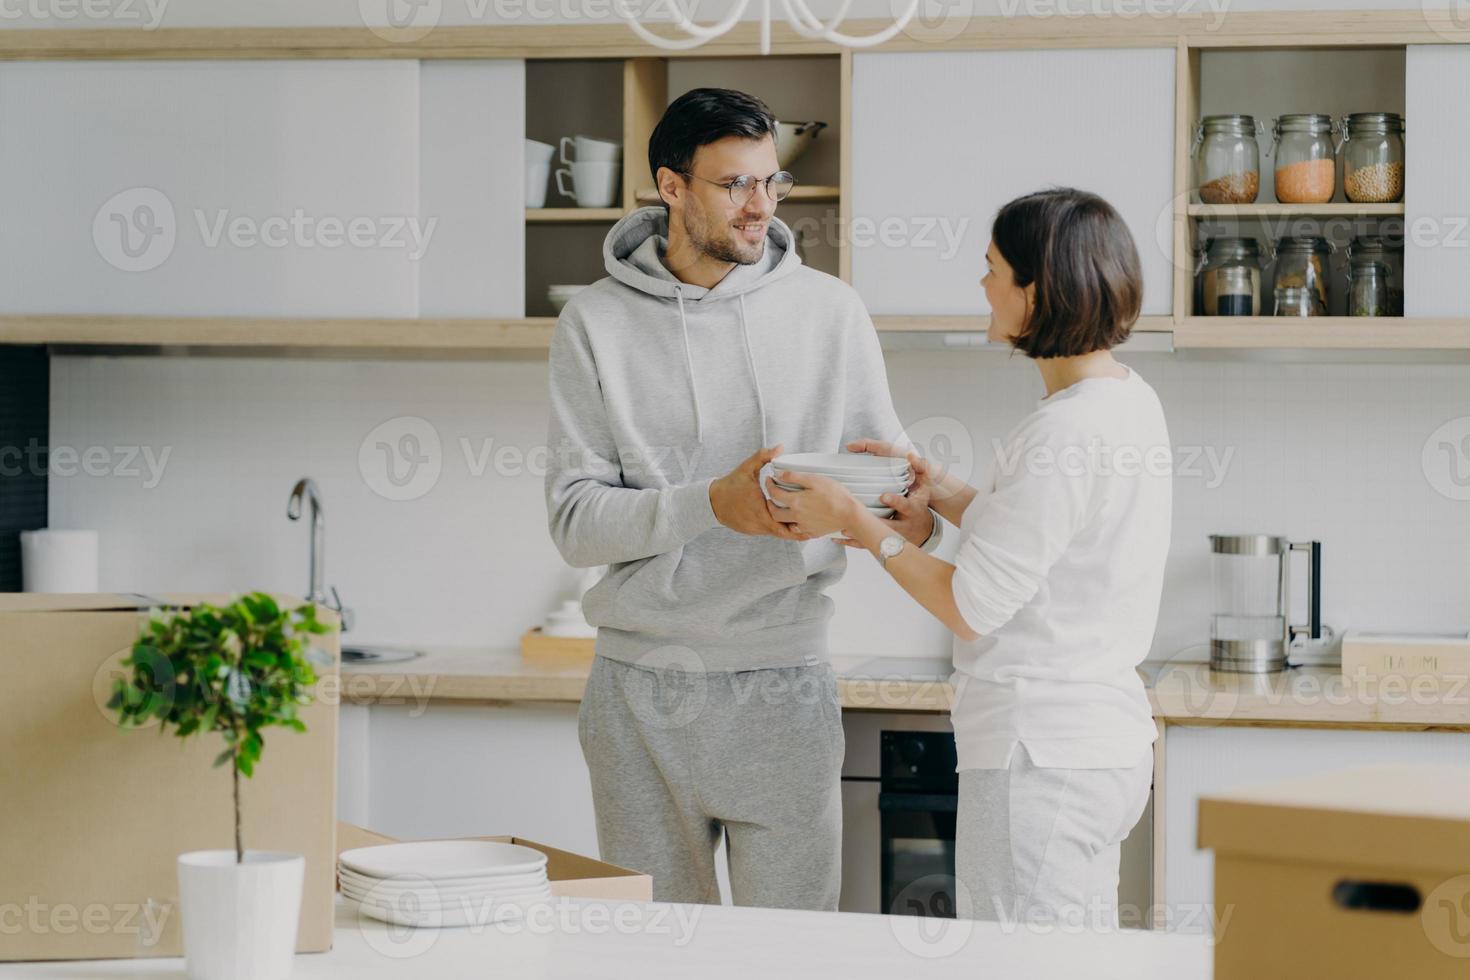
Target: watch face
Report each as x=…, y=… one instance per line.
x=891, y=546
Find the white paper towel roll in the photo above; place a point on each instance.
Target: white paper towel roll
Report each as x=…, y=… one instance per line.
x=56, y=560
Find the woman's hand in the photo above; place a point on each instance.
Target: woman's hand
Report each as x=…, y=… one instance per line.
x=948, y=494
x=821, y=507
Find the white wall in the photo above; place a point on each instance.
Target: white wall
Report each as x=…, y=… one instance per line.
x=1331, y=451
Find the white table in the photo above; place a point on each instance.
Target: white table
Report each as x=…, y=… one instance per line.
x=581, y=939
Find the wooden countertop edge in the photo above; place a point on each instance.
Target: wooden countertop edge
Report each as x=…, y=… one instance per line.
x=417, y=689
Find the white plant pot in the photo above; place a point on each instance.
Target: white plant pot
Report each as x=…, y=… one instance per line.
x=240, y=920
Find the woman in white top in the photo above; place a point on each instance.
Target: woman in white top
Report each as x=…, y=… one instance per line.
x=1054, y=593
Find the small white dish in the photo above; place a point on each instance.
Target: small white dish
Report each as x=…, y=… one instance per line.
x=440, y=859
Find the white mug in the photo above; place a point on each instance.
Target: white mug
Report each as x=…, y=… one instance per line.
x=594, y=184
x=590, y=149
x=538, y=172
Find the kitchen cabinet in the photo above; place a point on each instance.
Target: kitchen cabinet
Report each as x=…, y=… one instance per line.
x=940, y=140
x=249, y=188
x=471, y=124
x=1203, y=760
x=1436, y=195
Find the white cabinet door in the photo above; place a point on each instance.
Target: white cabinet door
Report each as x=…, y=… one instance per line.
x=1202, y=761
x=267, y=188
x=942, y=139
x=1436, y=194
x=471, y=156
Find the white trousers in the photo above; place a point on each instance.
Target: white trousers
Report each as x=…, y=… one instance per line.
x=1042, y=845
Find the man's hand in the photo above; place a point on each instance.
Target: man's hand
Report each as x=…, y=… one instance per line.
x=740, y=505
x=912, y=517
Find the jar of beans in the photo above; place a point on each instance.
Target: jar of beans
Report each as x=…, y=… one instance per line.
x=1228, y=159
x=1302, y=262
x=1229, y=278
x=1306, y=159
x=1373, y=157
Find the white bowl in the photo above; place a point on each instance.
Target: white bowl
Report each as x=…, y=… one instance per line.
x=559, y=296
x=793, y=139
x=441, y=859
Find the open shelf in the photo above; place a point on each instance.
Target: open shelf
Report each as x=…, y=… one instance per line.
x=549, y=216
x=1321, y=333
x=1273, y=210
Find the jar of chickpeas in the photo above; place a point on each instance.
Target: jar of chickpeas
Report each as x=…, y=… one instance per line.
x=1373, y=157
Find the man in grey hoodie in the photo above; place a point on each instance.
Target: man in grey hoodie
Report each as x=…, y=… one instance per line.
x=711, y=707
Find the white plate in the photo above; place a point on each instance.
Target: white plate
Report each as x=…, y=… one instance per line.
x=443, y=918
x=843, y=464
x=409, y=901
x=444, y=885
x=443, y=859
x=872, y=500
x=883, y=512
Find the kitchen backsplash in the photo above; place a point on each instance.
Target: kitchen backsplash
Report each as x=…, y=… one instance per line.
x=192, y=461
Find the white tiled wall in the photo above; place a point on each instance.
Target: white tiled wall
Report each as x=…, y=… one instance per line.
x=1331, y=451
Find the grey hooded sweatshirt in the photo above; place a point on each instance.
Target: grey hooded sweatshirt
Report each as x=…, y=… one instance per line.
x=657, y=389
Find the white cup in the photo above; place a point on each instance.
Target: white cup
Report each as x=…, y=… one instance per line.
x=594, y=184
x=590, y=149
x=538, y=172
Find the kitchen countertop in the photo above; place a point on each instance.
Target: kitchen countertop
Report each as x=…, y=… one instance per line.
x=582, y=938
x=1180, y=693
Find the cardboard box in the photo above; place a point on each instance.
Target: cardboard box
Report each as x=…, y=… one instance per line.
x=1364, y=873
x=1443, y=657
x=571, y=874
x=96, y=815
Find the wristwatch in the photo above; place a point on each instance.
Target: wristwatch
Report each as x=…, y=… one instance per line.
x=890, y=547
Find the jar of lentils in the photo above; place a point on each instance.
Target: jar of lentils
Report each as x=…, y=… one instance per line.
x=1306, y=159
x=1228, y=159
x=1373, y=157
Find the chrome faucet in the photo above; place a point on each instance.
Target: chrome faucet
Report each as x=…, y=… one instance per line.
x=306, y=487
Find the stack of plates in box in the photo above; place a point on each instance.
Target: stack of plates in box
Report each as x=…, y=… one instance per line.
x=443, y=882
x=866, y=477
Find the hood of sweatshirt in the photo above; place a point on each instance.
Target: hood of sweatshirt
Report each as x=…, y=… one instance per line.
x=632, y=254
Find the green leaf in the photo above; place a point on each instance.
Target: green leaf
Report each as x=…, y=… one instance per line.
x=223, y=757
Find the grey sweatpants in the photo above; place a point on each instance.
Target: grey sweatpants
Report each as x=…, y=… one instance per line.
x=678, y=757
x=1042, y=845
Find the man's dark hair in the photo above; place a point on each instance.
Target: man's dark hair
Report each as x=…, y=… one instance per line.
x=701, y=116
x=1089, y=284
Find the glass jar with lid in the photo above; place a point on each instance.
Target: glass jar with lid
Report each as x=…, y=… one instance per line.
x=1372, y=249
x=1373, y=157
x=1227, y=159
x=1229, y=279
x=1368, y=289
x=1302, y=261
x=1306, y=159
x=1295, y=301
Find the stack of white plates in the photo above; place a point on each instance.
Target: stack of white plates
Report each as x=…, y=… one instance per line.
x=443, y=882
x=866, y=477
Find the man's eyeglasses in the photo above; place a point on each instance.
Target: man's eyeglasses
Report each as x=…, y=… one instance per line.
x=778, y=185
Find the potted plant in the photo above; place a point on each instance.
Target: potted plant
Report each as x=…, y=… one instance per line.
x=236, y=670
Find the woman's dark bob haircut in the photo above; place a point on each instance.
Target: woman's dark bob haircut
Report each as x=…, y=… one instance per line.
x=1082, y=258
